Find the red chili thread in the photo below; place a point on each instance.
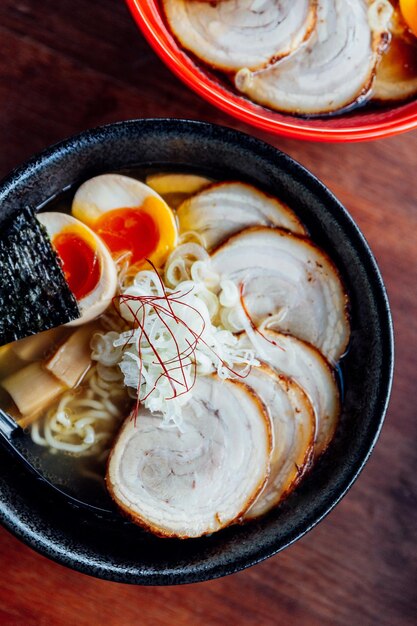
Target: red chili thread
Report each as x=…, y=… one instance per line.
x=252, y=323
x=162, y=306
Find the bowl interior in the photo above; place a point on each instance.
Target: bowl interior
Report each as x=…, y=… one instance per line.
x=118, y=550
x=360, y=124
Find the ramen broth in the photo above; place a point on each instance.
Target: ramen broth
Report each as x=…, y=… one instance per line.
x=76, y=425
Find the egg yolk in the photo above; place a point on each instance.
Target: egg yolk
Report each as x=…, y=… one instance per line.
x=80, y=262
x=147, y=231
x=409, y=13
x=128, y=230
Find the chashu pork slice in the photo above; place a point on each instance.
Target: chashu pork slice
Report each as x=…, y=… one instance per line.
x=334, y=69
x=293, y=427
x=230, y=34
x=193, y=481
x=289, y=279
x=224, y=209
x=308, y=367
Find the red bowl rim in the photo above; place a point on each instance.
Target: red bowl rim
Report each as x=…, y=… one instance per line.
x=152, y=26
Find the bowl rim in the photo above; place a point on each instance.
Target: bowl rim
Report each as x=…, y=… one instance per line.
x=150, y=23
x=38, y=539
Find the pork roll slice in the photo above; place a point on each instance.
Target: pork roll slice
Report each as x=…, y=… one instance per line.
x=195, y=480
x=293, y=422
x=224, y=209
x=334, y=69
x=289, y=279
x=230, y=34
x=308, y=367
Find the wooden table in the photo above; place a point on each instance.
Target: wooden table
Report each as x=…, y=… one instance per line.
x=72, y=64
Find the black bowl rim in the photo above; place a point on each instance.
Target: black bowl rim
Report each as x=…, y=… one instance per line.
x=41, y=543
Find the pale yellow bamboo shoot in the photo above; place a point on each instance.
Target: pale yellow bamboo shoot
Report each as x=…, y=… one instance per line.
x=32, y=389
x=72, y=360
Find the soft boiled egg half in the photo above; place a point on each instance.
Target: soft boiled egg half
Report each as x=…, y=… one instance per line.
x=409, y=12
x=87, y=264
x=130, y=217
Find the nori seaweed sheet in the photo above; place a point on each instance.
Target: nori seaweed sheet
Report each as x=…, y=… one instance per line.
x=34, y=295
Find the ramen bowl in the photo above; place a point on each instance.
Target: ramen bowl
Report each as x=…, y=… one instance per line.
x=359, y=125
x=113, y=548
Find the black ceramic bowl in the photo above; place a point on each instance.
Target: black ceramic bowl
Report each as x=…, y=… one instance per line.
x=117, y=550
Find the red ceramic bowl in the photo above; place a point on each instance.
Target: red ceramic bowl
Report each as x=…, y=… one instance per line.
x=356, y=126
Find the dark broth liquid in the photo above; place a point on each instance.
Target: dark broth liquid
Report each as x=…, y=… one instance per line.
x=400, y=62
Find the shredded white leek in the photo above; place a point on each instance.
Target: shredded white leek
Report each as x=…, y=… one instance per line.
x=178, y=334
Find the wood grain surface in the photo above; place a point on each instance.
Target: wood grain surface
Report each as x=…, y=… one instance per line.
x=69, y=65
